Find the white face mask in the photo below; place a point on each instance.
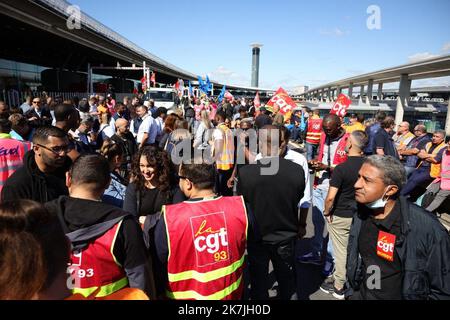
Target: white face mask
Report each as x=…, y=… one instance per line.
x=380, y=203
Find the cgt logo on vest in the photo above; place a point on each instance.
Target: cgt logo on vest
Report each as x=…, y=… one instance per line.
x=385, y=245
x=210, y=238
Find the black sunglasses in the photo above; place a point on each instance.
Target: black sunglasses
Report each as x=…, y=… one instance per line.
x=56, y=150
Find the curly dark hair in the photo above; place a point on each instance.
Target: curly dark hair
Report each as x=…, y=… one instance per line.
x=159, y=160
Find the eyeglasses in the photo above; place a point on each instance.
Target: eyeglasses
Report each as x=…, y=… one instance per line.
x=182, y=177
x=36, y=102
x=56, y=150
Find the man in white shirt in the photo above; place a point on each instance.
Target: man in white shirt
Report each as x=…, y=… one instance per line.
x=148, y=129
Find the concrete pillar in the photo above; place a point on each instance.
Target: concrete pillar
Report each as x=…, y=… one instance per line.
x=380, y=91
x=256, y=49
x=402, y=100
x=405, y=89
x=361, y=93
x=350, y=90
x=338, y=91
x=447, y=121
x=370, y=89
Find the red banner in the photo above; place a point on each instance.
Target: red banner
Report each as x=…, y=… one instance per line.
x=229, y=96
x=256, y=101
x=153, y=79
x=282, y=103
x=144, y=84
x=341, y=105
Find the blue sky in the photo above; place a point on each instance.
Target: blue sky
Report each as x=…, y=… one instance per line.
x=305, y=42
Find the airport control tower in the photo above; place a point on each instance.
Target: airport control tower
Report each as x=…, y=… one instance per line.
x=256, y=48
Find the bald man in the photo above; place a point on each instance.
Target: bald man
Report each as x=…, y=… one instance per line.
x=126, y=140
x=403, y=136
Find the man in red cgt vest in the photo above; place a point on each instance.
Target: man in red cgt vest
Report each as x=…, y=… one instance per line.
x=203, y=240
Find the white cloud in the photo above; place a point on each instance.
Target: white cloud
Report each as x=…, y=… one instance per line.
x=421, y=56
x=337, y=32
x=446, y=47
x=227, y=76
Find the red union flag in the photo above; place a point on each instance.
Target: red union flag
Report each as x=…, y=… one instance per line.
x=341, y=105
x=282, y=102
x=229, y=96
x=153, y=79
x=144, y=83
x=256, y=101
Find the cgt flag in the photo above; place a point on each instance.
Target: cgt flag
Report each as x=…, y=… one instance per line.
x=281, y=102
x=153, y=79
x=229, y=96
x=341, y=105
x=144, y=84
x=256, y=101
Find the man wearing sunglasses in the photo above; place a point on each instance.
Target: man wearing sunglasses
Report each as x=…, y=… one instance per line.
x=42, y=176
x=38, y=115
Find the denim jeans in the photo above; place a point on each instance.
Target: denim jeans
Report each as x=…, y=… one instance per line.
x=409, y=171
x=319, y=242
x=420, y=178
x=311, y=151
x=282, y=257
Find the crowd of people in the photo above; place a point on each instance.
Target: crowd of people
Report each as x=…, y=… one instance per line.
x=103, y=199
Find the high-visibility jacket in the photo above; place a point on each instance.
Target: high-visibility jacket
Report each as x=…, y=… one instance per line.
x=354, y=127
x=404, y=140
x=314, y=131
x=206, y=241
x=435, y=168
x=225, y=159
x=96, y=267
x=444, y=178
x=12, y=153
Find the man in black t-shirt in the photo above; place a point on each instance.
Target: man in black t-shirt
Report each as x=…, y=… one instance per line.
x=384, y=145
x=340, y=206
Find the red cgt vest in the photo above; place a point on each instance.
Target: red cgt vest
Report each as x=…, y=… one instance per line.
x=314, y=131
x=340, y=156
x=96, y=267
x=206, y=242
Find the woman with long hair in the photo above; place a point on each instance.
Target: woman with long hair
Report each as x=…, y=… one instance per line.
x=115, y=193
x=203, y=133
x=169, y=127
x=153, y=185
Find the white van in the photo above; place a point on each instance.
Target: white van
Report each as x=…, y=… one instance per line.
x=163, y=97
